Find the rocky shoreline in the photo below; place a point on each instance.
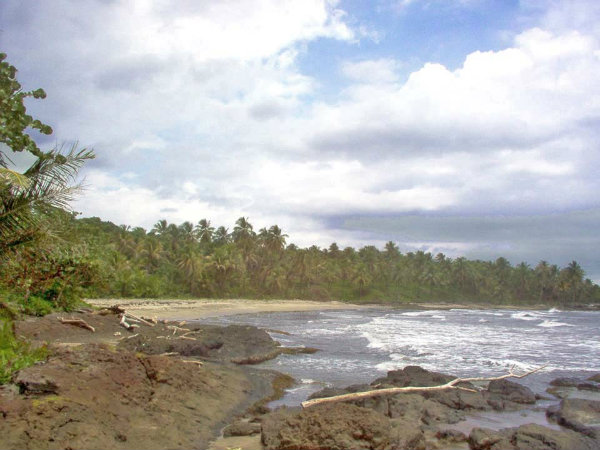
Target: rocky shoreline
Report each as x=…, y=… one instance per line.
x=178, y=385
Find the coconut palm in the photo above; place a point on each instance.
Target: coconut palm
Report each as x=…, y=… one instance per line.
x=204, y=232
x=27, y=199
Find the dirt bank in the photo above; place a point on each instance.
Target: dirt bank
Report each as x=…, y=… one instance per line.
x=161, y=386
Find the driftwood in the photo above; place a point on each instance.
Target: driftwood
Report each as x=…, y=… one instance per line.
x=399, y=390
x=77, y=322
x=169, y=354
x=139, y=319
x=127, y=326
x=191, y=361
x=153, y=320
x=175, y=329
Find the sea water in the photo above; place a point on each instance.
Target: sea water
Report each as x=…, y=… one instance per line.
x=357, y=346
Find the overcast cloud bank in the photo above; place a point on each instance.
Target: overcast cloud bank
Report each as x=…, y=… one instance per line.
x=203, y=111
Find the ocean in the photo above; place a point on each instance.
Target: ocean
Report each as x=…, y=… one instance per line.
x=357, y=346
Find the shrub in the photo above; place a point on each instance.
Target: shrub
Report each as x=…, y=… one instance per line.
x=16, y=354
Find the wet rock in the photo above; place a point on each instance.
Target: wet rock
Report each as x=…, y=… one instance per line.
x=328, y=392
x=413, y=376
x=334, y=426
x=486, y=439
x=578, y=414
x=594, y=387
x=559, y=392
x=417, y=408
x=458, y=399
x=529, y=437
x=240, y=428
x=565, y=382
x=504, y=394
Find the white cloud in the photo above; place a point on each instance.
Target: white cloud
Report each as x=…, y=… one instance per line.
x=203, y=111
x=372, y=71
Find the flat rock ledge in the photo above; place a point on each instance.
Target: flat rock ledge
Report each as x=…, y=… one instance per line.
x=425, y=420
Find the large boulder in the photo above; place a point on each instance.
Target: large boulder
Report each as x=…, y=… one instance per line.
x=337, y=426
x=529, y=437
x=504, y=394
x=578, y=414
x=595, y=378
x=412, y=376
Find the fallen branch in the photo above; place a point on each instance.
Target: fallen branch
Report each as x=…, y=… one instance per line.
x=139, y=319
x=77, y=322
x=189, y=361
x=169, y=354
x=399, y=390
x=175, y=328
x=127, y=326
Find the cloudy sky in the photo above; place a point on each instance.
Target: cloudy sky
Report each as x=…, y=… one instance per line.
x=469, y=127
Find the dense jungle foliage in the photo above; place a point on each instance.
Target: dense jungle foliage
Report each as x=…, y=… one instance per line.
x=100, y=259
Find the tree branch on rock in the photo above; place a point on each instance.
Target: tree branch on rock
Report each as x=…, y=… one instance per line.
x=453, y=384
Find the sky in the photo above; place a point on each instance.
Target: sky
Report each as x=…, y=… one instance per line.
x=468, y=127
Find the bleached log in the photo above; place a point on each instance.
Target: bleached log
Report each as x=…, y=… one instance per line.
x=169, y=354
x=190, y=361
x=402, y=390
x=139, y=319
x=175, y=329
x=127, y=326
x=77, y=322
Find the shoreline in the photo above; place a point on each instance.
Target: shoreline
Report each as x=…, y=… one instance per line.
x=194, y=309
x=205, y=308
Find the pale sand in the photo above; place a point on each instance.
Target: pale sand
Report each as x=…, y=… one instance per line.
x=199, y=309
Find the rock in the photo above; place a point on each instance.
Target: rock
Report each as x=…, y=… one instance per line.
x=33, y=381
x=595, y=378
x=102, y=397
x=529, y=437
x=406, y=434
x=594, y=387
x=240, y=428
x=457, y=399
x=485, y=439
x=334, y=426
x=451, y=436
x=413, y=376
x=328, y=392
x=416, y=408
x=565, y=382
x=578, y=414
x=504, y=394
x=559, y=392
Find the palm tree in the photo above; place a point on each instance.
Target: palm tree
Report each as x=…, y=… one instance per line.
x=27, y=199
x=160, y=228
x=204, y=232
x=192, y=266
x=243, y=230
x=221, y=236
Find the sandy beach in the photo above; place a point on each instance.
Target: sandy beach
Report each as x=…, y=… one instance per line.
x=203, y=308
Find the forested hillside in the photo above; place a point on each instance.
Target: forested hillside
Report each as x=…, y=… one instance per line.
x=99, y=258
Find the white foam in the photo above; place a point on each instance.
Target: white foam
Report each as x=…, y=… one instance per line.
x=554, y=310
x=522, y=315
x=553, y=323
